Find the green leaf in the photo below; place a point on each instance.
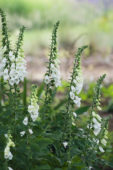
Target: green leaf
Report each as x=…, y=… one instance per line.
x=40, y=90
x=78, y=163
x=60, y=104
x=53, y=161
x=82, y=110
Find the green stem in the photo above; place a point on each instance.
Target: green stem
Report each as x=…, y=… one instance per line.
x=25, y=94
x=1, y=92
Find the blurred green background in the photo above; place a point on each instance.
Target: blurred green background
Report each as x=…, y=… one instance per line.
x=81, y=22
x=82, y=19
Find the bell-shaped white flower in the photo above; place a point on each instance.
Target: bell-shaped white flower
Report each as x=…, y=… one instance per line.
x=30, y=131
x=25, y=121
x=101, y=149
x=47, y=79
x=7, y=153
x=22, y=133
x=104, y=142
x=65, y=144
x=74, y=114
x=9, y=168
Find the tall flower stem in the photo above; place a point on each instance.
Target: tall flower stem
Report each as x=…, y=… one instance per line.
x=50, y=89
x=5, y=43
x=68, y=116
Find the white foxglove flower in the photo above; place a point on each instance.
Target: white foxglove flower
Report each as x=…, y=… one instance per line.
x=78, y=81
x=52, y=66
x=74, y=114
x=11, y=56
x=54, y=74
x=104, y=142
x=47, y=79
x=90, y=125
x=73, y=89
x=9, y=168
x=81, y=129
x=25, y=121
x=96, y=141
x=14, y=69
x=72, y=95
x=6, y=135
x=76, y=87
x=3, y=61
x=6, y=74
x=22, y=133
x=99, y=108
x=18, y=71
x=33, y=110
x=30, y=131
x=96, y=123
x=101, y=149
x=77, y=101
x=7, y=153
x=96, y=116
x=96, y=131
x=65, y=144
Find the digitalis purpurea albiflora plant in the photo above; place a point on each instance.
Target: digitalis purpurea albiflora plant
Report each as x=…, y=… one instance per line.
x=35, y=134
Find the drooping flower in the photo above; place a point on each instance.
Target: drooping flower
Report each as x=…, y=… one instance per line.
x=76, y=88
x=96, y=126
x=33, y=110
x=9, y=168
x=96, y=123
x=77, y=101
x=30, y=131
x=74, y=114
x=104, y=142
x=8, y=154
x=101, y=149
x=25, y=121
x=78, y=82
x=22, y=133
x=96, y=116
x=104, y=138
x=65, y=144
x=47, y=79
